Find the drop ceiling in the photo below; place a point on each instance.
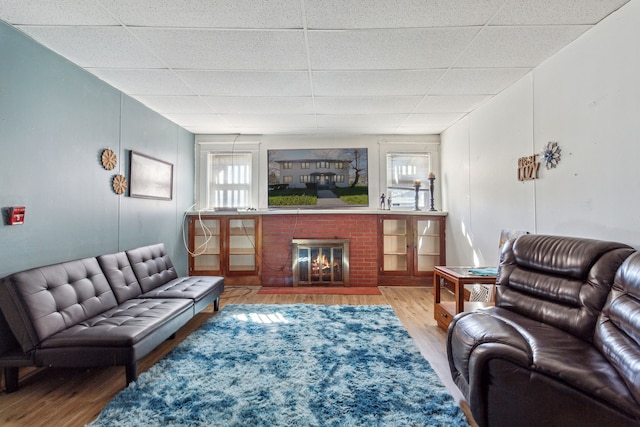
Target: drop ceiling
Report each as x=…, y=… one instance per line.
x=308, y=66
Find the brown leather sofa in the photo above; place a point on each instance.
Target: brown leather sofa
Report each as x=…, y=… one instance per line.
x=109, y=310
x=561, y=347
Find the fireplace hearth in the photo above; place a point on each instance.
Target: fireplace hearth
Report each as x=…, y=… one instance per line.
x=320, y=262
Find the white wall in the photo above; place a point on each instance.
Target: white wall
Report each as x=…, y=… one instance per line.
x=587, y=98
x=483, y=195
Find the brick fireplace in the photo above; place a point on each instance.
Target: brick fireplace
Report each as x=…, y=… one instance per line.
x=280, y=230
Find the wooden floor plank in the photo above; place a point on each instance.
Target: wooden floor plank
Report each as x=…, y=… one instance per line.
x=328, y=290
x=74, y=397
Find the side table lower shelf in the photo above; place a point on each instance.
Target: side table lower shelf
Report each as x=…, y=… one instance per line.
x=446, y=310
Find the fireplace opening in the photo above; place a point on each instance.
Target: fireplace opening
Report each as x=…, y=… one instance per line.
x=323, y=262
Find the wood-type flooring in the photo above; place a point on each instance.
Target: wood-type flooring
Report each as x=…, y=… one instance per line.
x=74, y=397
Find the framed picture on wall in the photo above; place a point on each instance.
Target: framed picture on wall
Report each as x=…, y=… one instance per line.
x=150, y=178
x=318, y=178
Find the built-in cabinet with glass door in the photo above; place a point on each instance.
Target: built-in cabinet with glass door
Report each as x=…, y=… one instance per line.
x=410, y=246
x=225, y=245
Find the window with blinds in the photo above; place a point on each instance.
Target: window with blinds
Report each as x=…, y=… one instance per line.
x=229, y=180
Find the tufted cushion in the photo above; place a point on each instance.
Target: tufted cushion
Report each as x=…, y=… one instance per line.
x=203, y=290
x=43, y=301
x=122, y=326
x=618, y=328
x=186, y=287
x=119, y=273
x=562, y=281
x=152, y=266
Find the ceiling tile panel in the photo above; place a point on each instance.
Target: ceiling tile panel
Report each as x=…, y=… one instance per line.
x=414, y=48
x=211, y=121
x=518, y=46
x=248, y=83
x=101, y=47
x=546, y=12
x=427, y=128
x=478, y=81
x=335, y=14
x=450, y=103
x=260, y=105
x=204, y=130
x=208, y=14
x=289, y=129
x=374, y=83
x=175, y=104
x=366, y=105
x=360, y=121
x=59, y=12
x=308, y=66
x=144, y=82
x=227, y=49
x=417, y=120
x=271, y=120
x=357, y=129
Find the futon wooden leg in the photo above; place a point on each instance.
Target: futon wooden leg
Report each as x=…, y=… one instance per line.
x=216, y=304
x=132, y=372
x=11, y=379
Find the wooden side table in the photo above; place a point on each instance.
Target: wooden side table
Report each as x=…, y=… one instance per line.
x=458, y=277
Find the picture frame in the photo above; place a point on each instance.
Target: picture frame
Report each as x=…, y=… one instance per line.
x=316, y=178
x=150, y=178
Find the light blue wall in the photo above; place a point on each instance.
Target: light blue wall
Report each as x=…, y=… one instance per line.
x=55, y=120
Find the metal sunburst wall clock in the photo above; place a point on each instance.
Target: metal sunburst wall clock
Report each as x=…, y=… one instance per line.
x=551, y=154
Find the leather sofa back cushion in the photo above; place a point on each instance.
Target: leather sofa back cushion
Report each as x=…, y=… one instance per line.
x=561, y=256
x=152, y=266
x=119, y=273
x=40, y=302
x=558, y=280
x=617, y=333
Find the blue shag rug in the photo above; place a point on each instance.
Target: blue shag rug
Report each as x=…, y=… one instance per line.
x=290, y=365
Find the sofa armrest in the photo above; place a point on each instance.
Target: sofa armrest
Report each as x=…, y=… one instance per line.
x=474, y=339
x=500, y=360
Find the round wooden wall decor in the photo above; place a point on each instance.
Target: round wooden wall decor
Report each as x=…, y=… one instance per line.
x=109, y=159
x=119, y=184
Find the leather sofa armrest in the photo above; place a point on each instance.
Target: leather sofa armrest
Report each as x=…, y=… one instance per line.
x=479, y=366
x=475, y=337
x=469, y=331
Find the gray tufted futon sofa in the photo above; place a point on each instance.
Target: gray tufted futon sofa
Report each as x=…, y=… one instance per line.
x=104, y=311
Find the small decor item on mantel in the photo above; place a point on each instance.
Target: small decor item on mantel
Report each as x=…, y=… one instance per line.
x=119, y=184
x=416, y=185
x=432, y=177
x=109, y=159
x=551, y=154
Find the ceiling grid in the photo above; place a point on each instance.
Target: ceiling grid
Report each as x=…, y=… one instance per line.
x=308, y=66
